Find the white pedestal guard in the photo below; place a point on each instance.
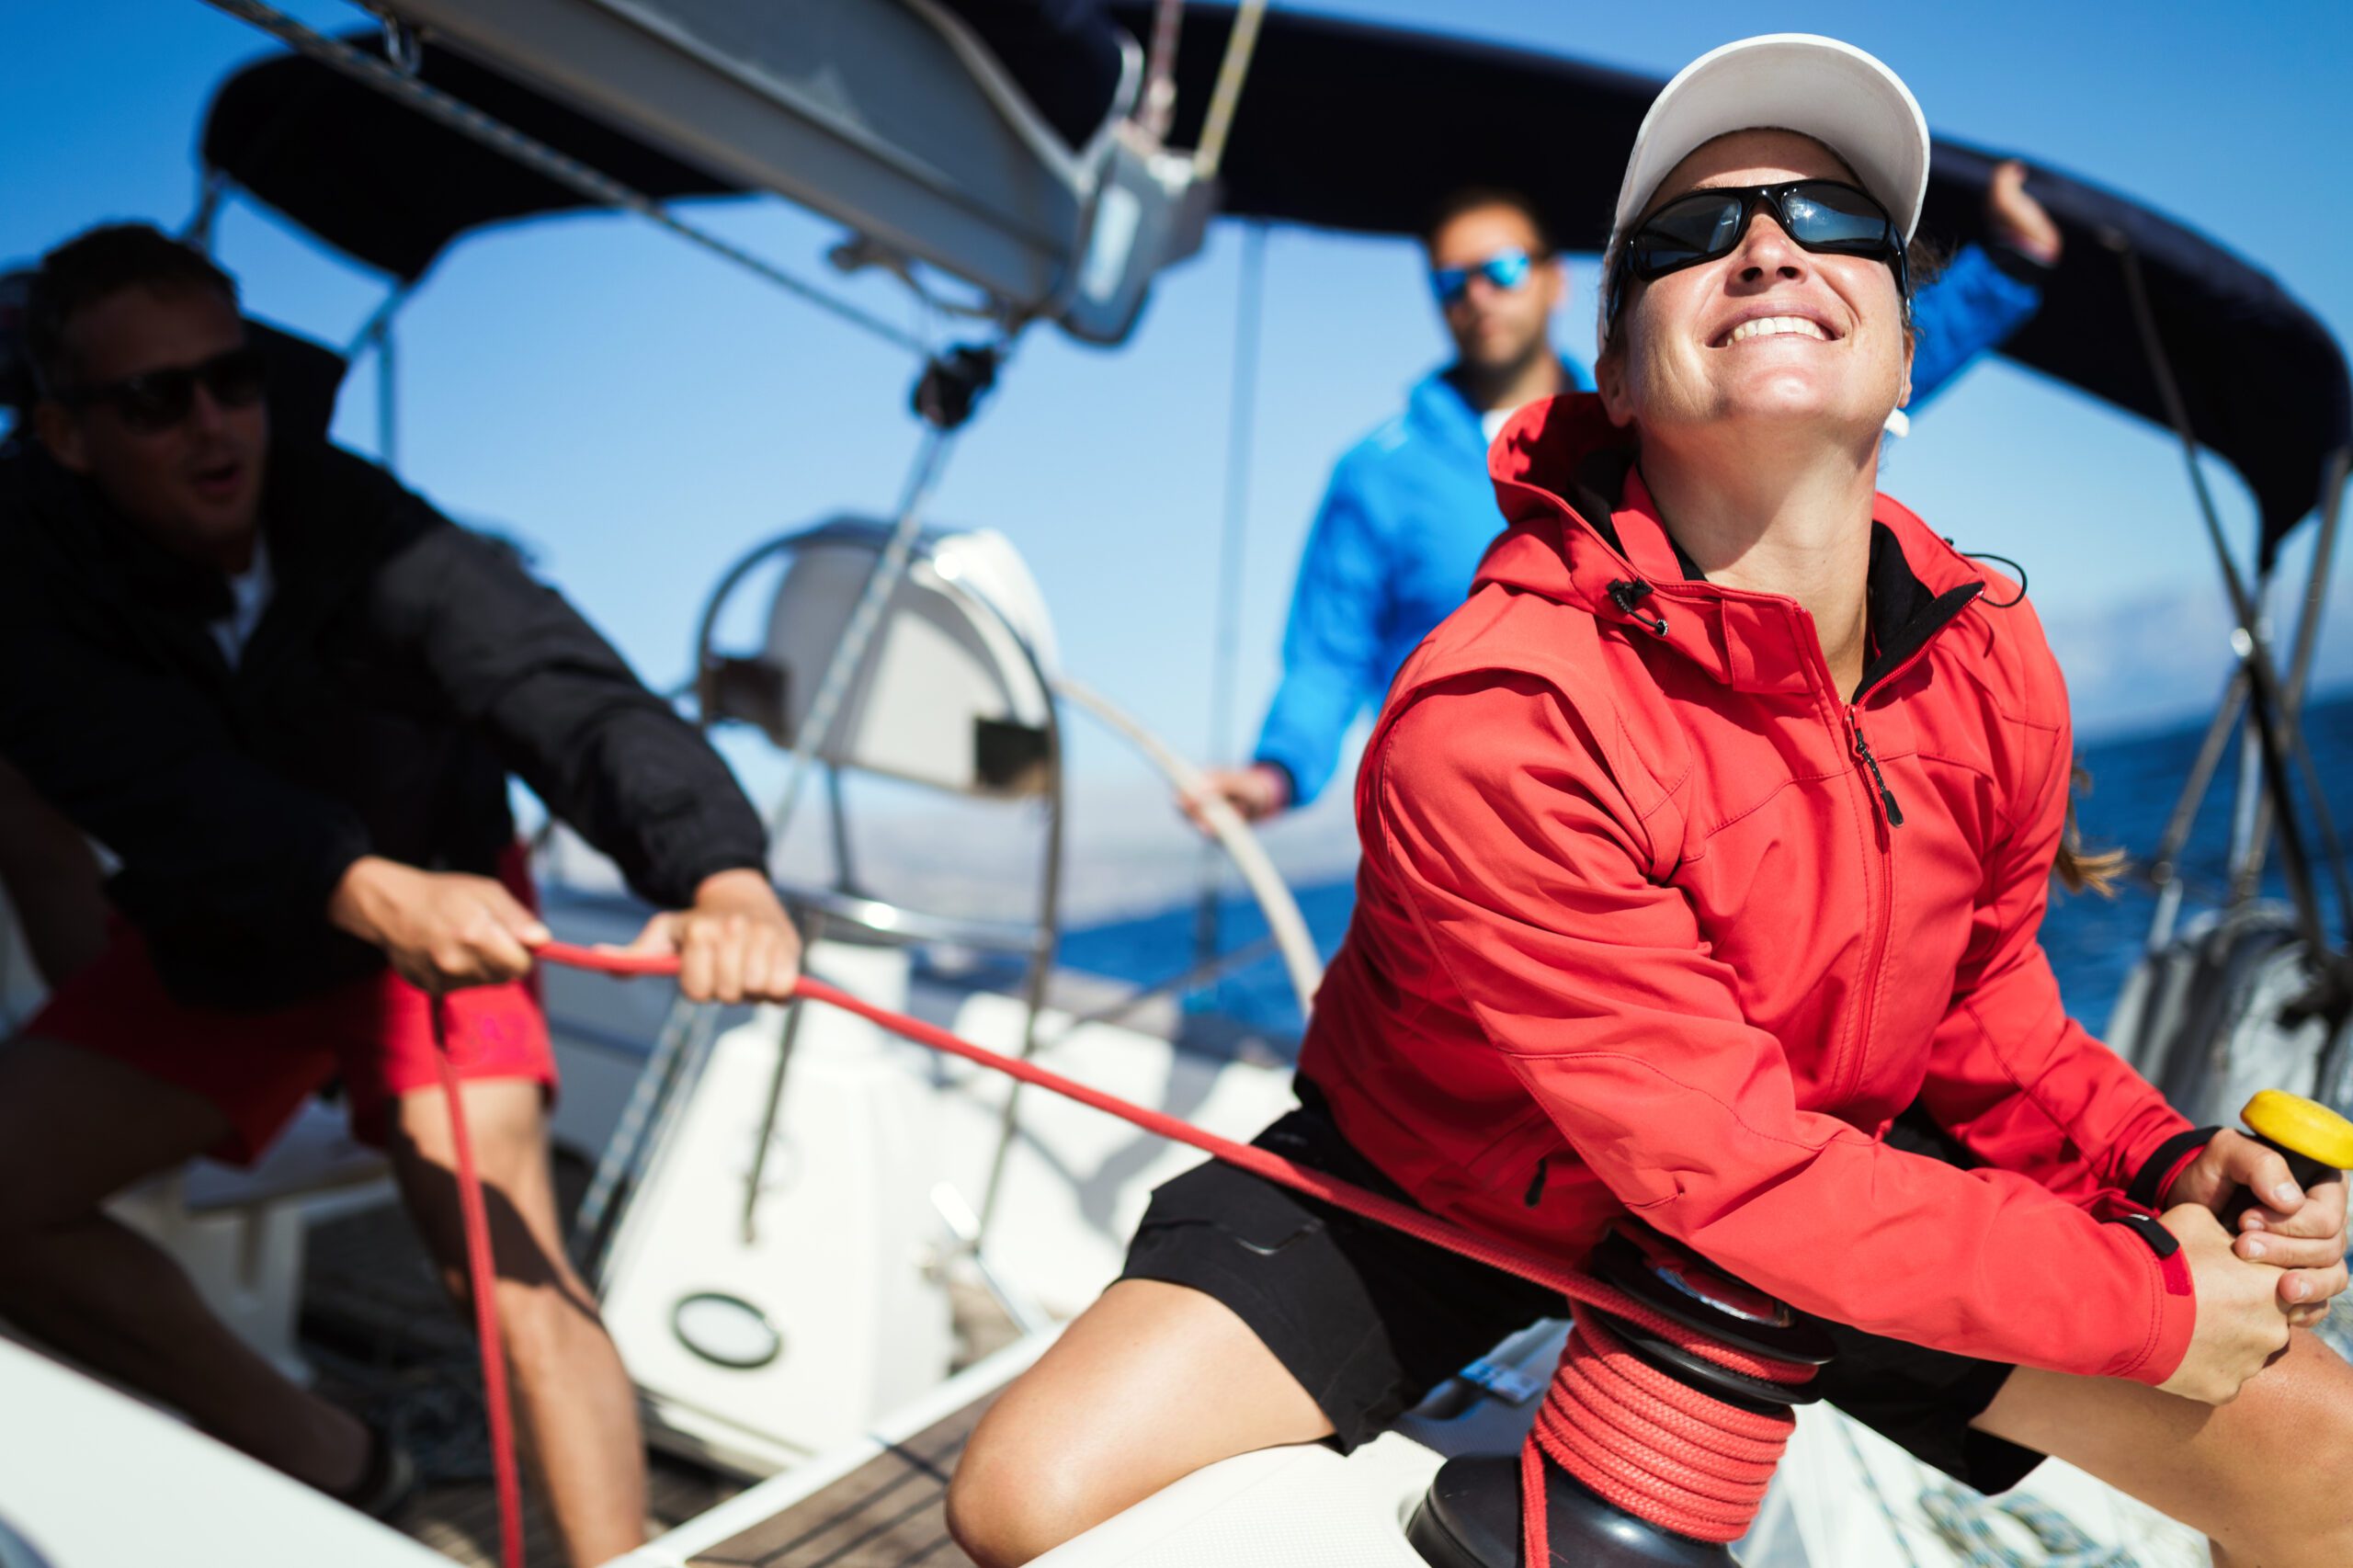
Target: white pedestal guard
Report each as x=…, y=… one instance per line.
x=755, y=1354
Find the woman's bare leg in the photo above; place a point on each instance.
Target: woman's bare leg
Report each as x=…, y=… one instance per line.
x=1148, y=1385
x=2263, y=1477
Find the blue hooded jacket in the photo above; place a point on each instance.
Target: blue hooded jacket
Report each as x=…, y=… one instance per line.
x=1409, y=512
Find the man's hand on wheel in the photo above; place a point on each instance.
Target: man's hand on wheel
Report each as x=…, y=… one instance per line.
x=1255, y=792
x=2298, y=1232
x=734, y=944
x=442, y=930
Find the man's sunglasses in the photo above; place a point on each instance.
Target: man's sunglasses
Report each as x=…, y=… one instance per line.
x=1507, y=269
x=159, y=400
x=1826, y=216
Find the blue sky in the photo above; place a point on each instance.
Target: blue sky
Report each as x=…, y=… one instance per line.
x=639, y=413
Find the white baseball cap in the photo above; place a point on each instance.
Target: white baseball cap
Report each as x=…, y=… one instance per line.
x=1817, y=86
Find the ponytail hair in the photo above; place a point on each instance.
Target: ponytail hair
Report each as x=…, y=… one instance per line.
x=2078, y=869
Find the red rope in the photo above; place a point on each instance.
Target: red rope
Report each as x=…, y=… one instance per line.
x=1649, y=1444
x=482, y=1275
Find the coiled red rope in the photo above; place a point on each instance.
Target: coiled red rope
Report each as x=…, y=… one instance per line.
x=1643, y=1441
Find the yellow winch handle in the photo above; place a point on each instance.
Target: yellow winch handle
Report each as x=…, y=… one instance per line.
x=2295, y=1125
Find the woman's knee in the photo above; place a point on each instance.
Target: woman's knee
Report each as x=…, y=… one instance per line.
x=1025, y=1485
x=2291, y=1439
x=2317, y=1449
x=1146, y=1386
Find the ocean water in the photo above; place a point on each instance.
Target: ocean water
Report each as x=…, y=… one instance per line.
x=2093, y=941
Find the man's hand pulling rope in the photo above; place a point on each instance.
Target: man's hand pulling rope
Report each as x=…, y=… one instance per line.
x=1654, y=1446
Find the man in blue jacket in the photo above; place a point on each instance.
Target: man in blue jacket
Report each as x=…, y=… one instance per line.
x=1410, y=510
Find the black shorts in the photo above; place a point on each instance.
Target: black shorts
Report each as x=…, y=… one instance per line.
x=1370, y=1320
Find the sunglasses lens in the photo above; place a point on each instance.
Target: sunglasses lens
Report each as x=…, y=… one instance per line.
x=1823, y=216
x=161, y=399
x=153, y=403
x=1684, y=231
x=1507, y=269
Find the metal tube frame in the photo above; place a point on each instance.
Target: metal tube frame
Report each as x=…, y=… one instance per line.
x=673, y=1071
x=1045, y=935
x=457, y=115
x=2164, y=871
x=2300, y=663
x=2266, y=703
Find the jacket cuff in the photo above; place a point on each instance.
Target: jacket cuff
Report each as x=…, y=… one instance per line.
x=689, y=875
x=1291, y=780
x=2017, y=265
x=2156, y=1175
x=339, y=843
x=2175, y=1311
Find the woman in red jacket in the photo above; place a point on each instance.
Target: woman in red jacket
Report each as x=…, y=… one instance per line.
x=1705, y=852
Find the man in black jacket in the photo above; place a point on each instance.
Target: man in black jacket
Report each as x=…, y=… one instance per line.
x=284, y=695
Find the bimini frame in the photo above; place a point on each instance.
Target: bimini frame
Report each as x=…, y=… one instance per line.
x=2275, y=752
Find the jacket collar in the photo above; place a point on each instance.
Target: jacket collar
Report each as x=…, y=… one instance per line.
x=320, y=534
x=1585, y=531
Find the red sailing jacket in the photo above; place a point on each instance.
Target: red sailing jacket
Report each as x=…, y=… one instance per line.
x=1651, y=918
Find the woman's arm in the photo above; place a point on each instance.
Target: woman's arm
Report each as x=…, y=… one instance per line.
x=1492, y=815
x=2025, y=1086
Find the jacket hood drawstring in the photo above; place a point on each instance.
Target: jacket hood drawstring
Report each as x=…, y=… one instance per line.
x=1628, y=593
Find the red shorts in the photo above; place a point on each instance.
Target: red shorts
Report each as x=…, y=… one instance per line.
x=259, y=1068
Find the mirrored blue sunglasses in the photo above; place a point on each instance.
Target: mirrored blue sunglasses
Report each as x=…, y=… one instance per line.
x=1507, y=269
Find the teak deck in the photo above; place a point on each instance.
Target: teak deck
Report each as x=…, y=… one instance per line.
x=890, y=1512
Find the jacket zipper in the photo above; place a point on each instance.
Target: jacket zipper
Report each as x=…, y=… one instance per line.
x=1882, y=914
x=1946, y=612
x=1882, y=911
x=1863, y=750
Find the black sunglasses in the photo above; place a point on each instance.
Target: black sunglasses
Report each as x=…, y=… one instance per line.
x=1826, y=216
x=158, y=400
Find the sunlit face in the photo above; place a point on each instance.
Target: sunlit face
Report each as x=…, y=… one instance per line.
x=1493, y=328
x=194, y=487
x=1770, y=334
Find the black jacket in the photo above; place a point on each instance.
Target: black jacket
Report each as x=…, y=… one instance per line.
x=402, y=666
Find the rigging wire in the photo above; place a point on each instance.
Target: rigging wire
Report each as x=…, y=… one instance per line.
x=1241, y=43
x=1241, y=421
x=865, y=619
x=542, y=159
x=1159, y=105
